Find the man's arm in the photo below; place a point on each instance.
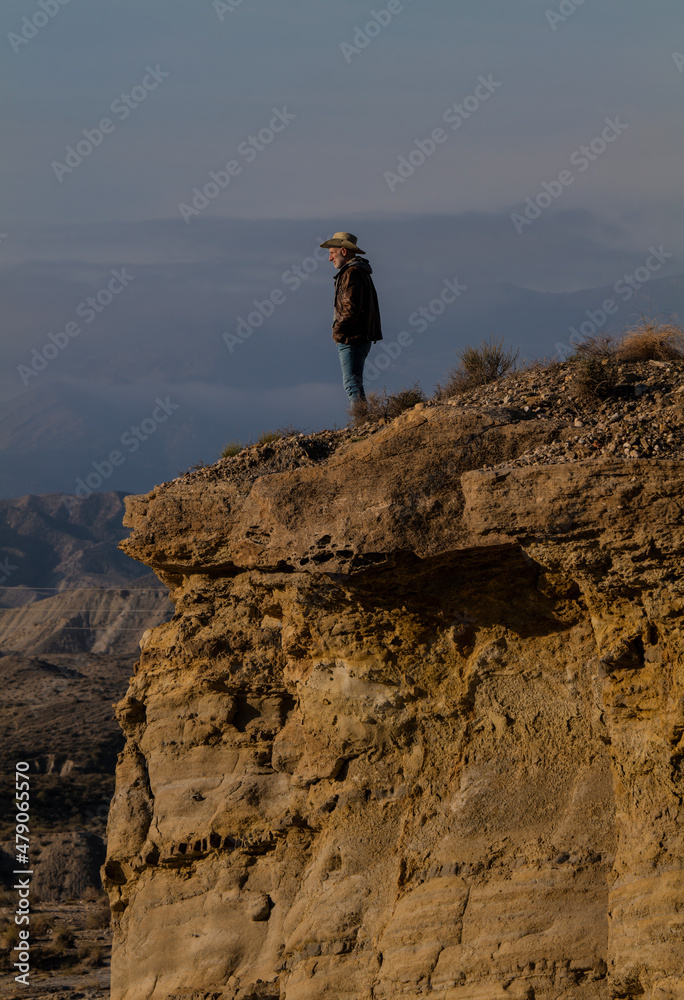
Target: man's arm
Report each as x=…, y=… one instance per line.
x=350, y=322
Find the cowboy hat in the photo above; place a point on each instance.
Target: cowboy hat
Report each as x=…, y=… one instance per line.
x=347, y=240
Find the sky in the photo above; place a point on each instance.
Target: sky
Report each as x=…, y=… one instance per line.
x=170, y=168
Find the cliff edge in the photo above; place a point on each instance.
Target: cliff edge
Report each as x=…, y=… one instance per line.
x=416, y=727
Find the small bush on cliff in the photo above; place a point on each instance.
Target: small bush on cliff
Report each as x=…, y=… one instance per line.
x=595, y=370
x=478, y=366
x=231, y=449
x=405, y=399
x=266, y=437
x=387, y=406
x=650, y=342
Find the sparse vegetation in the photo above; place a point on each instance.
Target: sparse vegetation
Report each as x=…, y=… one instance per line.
x=61, y=938
x=40, y=925
x=387, y=406
x=99, y=919
x=90, y=953
x=234, y=447
x=595, y=366
x=651, y=342
x=9, y=934
x=597, y=359
x=231, y=449
x=594, y=347
x=268, y=437
x=593, y=374
x=478, y=366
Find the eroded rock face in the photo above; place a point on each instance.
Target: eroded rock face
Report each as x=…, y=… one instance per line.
x=414, y=729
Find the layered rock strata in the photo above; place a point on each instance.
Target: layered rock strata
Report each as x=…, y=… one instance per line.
x=415, y=728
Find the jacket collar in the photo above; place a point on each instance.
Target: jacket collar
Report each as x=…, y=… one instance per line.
x=354, y=260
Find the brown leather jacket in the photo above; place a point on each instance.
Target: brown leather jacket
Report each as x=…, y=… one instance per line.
x=357, y=314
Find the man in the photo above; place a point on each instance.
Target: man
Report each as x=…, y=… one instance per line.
x=356, y=323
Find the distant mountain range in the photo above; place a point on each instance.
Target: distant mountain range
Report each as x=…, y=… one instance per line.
x=53, y=543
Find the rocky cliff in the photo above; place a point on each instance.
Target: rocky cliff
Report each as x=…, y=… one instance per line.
x=417, y=725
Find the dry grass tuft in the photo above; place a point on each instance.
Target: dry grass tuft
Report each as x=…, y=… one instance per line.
x=90, y=953
x=478, y=366
x=386, y=406
x=651, y=342
x=594, y=347
x=595, y=373
x=234, y=447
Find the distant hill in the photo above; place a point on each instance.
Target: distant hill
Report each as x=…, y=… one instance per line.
x=80, y=621
x=48, y=545
x=72, y=611
x=62, y=723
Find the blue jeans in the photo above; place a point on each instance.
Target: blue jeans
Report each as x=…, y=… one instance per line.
x=352, y=359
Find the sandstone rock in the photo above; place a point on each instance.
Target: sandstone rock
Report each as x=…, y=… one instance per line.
x=415, y=728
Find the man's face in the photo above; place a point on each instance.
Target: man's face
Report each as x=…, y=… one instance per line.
x=338, y=256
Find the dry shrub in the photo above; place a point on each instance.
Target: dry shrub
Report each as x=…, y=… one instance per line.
x=478, y=366
x=40, y=925
x=405, y=399
x=91, y=953
x=594, y=347
x=595, y=371
x=651, y=342
x=9, y=934
x=98, y=919
x=232, y=449
x=61, y=938
x=387, y=406
x=268, y=437
x=543, y=365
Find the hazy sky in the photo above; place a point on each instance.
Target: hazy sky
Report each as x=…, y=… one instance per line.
x=208, y=147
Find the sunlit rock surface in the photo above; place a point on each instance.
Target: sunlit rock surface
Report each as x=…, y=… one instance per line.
x=415, y=728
